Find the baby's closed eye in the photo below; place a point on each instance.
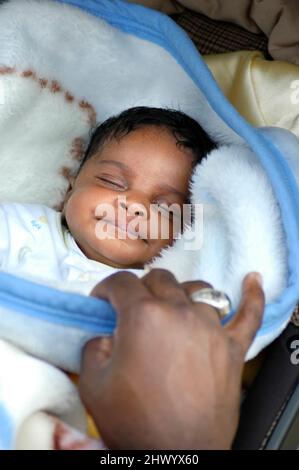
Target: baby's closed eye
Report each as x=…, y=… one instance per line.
x=112, y=182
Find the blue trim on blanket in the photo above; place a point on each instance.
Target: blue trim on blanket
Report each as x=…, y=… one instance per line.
x=52, y=305
x=6, y=429
x=83, y=312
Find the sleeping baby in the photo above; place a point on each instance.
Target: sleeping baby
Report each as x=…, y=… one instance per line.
x=136, y=174
x=122, y=208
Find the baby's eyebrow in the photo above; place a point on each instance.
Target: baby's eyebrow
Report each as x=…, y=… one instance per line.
x=121, y=165
x=164, y=186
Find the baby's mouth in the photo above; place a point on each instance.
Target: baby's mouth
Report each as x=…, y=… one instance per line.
x=124, y=230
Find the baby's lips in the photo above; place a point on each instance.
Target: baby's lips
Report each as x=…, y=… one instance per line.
x=125, y=228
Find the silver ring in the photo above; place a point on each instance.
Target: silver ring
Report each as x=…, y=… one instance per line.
x=215, y=298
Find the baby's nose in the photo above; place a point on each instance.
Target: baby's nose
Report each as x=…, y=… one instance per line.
x=136, y=203
x=134, y=208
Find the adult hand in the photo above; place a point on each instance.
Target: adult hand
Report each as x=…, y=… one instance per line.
x=170, y=378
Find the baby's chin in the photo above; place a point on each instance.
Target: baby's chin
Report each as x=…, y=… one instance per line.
x=122, y=253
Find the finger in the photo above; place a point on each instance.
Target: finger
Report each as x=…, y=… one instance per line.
x=124, y=290
x=96, y=353
x=164, y=286
x=192, y=286
x=243, y=327
x=204, y=310
x=95, y=360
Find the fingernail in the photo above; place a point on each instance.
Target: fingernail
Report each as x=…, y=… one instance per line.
x=256, y=276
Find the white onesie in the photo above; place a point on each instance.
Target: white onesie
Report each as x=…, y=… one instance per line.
x=34, y=244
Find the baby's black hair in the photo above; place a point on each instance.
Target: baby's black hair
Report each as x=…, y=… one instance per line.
x=186, y=130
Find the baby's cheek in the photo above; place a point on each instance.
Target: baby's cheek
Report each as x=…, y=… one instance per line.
x=83, y=202
x=165, y=230
x=78, y=212
x=165, y=237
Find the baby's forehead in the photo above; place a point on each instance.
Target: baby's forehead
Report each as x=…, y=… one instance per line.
x=183, y=164
x=142, y=151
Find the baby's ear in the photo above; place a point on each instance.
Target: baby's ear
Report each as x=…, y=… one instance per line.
x=71, y=180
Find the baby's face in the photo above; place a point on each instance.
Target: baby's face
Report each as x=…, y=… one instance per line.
x=132, y=177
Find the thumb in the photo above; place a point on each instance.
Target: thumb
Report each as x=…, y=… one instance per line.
x=243, y=327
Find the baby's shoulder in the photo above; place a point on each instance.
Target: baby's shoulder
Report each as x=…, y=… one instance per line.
x=33, y=214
